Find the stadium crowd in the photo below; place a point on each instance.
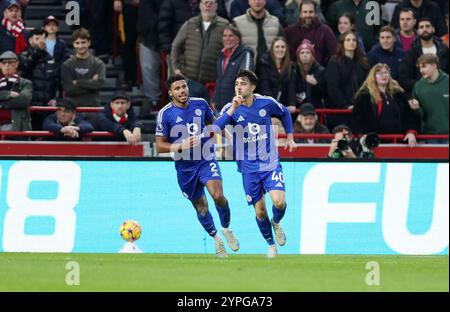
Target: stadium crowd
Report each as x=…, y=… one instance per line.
x=308, y=55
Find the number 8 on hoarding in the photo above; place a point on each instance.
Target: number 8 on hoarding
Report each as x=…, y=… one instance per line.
x=68, y=176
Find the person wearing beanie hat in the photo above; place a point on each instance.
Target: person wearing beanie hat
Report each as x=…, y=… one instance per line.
x=306, y=44
x=308, y=83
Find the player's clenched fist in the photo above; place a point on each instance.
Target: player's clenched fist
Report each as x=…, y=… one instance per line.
x=192, y=141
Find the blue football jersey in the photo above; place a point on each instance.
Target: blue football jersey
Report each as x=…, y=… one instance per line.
x=254, y=140
x=177, y=124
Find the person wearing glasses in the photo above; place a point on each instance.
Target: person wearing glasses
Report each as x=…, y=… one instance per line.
x=381, y=106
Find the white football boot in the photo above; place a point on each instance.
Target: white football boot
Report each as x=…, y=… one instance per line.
x=221, y=252
x=279, y=233
x=231, y=239
x=272, y=251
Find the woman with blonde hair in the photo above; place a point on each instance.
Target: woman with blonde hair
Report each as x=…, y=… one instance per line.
x=381, y=106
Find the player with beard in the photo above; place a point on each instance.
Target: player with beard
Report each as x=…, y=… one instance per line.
x=425, y=43
x=181, y=130
x=310, y=27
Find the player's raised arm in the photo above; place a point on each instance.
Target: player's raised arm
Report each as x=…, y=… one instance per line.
x=228, y=112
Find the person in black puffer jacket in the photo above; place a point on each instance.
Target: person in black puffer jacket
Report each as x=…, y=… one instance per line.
x=274, y=71
x=346, y=71
x=41, y=68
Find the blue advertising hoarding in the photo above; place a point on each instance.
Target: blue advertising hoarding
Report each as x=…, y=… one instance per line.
x=333, y=208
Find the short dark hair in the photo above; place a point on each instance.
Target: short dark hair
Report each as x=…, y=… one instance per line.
x=406, y=10
x=424, y=19
x=340, y=128
x=81, y=33
x=307, y=2
x=173, y=79
x=68, y=104
x=251, y=76
x=37, y=32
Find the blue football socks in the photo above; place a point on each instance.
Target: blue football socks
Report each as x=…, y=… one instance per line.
x=278, y=214
x=224, y=215
x=207, y=223
x=266, y=230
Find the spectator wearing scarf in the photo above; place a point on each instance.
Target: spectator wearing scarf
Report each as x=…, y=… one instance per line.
x=12, y=29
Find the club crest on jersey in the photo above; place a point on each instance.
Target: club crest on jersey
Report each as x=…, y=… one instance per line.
x=192, y=128
x=254, y=128
x=198, y=112
x=262, y=113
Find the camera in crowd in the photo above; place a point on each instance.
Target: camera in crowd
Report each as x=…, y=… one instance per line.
x=346, y=147
x=361, y=147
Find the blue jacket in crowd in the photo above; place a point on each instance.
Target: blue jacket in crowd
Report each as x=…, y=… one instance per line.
x=51, y=124
x=379, y=55
x=242, y=58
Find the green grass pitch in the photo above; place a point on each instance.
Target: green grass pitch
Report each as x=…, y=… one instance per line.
x=247, y=273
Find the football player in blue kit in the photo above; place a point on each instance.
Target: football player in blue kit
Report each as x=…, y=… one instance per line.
x=181, y=129
x=256, y=153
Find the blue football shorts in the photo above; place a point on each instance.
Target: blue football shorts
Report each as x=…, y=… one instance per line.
x=192, y=182
x=258, y=183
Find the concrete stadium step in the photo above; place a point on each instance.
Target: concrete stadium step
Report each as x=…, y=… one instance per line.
x=37, y=23
x=46, y=2
x=42, y=11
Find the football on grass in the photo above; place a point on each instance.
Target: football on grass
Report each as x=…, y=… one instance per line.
x=130, y=231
